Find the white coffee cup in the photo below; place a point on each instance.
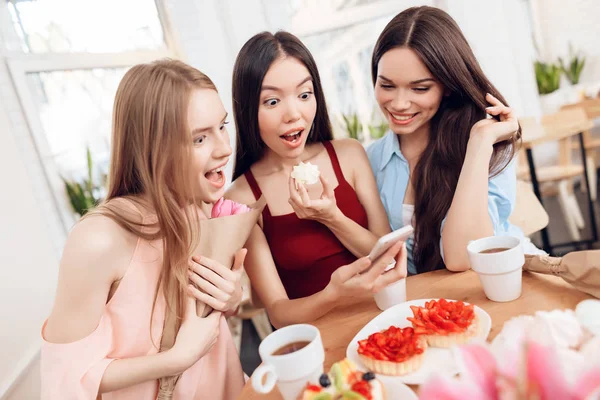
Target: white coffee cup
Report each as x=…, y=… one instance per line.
x=290, y=371
x=391, y=295
x=500, y=273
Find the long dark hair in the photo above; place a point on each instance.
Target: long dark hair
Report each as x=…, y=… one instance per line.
x=251, y=65
x=439, y=42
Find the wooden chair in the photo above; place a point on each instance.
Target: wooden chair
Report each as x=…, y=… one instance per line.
x=528, y=214
x=560, y=127
x=592, y=145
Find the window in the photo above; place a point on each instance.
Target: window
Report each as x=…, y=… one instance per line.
x=74, y=108
x=72, y=55
x=344, y=59
x=69, y=26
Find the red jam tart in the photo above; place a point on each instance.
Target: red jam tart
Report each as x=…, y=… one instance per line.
x=394, y=351
x=445, y=323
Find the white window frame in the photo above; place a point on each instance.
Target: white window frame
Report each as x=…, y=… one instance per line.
x=20, y=64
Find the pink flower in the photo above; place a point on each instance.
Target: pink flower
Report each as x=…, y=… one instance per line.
x=478, y=378
x=537, y=375
x=223, y=208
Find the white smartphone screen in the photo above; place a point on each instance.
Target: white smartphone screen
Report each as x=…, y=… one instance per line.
x=387, y=241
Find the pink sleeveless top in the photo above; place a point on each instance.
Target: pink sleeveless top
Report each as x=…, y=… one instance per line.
x=75, y=370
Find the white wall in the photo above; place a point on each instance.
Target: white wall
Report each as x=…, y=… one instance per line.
x=29, y=260
x=29, y=256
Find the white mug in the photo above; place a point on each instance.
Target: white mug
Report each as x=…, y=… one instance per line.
x=501, y=273
x=290, y=371
x=391, y=295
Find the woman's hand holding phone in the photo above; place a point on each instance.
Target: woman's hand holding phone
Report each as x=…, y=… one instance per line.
x=387, y=241
x=365, y=277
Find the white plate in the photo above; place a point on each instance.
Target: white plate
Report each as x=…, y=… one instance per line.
x=398, y=390
x=436, y=359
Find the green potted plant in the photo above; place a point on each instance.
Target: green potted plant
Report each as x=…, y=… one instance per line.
x=82, y=195
x=547, y=76
x=573, y=67
x=353, y=126
x=378, y=129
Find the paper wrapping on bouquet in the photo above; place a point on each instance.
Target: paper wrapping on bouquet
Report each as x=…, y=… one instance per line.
x=579, y=268
x=220, y=239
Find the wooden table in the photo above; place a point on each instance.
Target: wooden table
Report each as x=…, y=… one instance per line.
x=540, y=293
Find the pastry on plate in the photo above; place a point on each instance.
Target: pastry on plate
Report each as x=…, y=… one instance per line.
x=393, y=351
x=445, y=323
x=344, y=382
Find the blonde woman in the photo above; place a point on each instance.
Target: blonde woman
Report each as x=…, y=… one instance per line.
x=124, y=259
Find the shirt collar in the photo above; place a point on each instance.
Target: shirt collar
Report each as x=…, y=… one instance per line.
x=391, y=147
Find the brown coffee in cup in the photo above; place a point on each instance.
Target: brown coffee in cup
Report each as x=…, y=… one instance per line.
x=494, y=250
x=291, y=348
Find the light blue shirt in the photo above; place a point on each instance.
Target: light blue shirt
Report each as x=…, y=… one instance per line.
x=392, y=176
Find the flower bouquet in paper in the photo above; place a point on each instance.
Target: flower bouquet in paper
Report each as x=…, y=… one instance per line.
x=221, y=237
x=549, y=355
x=532, y=373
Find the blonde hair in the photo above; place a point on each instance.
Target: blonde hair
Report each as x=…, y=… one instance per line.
x=150, y=157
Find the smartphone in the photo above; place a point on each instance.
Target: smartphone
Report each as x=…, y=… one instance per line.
x=387, y=241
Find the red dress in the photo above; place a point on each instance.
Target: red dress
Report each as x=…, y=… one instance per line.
x=306, y=252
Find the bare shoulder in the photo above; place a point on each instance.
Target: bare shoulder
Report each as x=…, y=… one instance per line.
x=348, y=149
x=100, y=246
x=97, y=254
x=240, y=191
x=352, y=156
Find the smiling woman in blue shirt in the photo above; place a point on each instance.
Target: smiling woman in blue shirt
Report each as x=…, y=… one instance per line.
x=446, y=165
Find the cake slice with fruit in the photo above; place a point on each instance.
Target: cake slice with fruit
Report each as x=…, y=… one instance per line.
x=445, y=323
x=345, y=382
x=393, y=351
